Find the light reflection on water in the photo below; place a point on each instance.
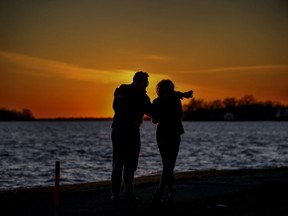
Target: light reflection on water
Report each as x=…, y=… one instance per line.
x=28, y=150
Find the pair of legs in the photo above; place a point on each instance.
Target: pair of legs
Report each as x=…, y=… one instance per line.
x=168, y=144
x=126, y=147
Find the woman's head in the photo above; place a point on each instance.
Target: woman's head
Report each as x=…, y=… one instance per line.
x=165, y=87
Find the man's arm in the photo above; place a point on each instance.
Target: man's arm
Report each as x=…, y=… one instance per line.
x=118, y=102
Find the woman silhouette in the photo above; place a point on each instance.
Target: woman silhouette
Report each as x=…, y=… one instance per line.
x=167, y=113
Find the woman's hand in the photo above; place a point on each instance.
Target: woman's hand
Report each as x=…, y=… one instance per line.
x=188, y=94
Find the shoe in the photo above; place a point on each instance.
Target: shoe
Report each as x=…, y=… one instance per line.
x=157, y=197
x=131, y=198
x=171, y=196
x=115, y=198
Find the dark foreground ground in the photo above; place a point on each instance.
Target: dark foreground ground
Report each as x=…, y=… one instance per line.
x=261, y=192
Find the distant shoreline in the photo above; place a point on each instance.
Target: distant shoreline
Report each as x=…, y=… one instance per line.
x=110, y=119
x=60, y=119
x=74, y=119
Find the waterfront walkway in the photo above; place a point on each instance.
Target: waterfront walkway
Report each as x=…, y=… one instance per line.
x=243, y=192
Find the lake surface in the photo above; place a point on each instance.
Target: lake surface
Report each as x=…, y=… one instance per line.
x=28, y=150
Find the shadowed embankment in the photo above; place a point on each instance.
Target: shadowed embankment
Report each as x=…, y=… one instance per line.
x=229, y=192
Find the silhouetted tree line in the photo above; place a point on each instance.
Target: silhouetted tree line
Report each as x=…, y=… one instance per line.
x=246, y=108
x=13, y=115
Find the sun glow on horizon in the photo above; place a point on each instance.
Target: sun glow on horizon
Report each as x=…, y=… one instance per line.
x=57, y=89
x=65, y=58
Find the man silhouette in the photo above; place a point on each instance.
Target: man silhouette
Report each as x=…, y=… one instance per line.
x=130, y=104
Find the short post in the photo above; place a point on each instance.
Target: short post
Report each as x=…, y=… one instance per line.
x=57, y=185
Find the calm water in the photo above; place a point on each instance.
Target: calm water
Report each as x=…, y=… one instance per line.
x=28, y=150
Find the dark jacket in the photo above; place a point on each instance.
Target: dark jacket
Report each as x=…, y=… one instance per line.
x=167, y=112
x=130, y=105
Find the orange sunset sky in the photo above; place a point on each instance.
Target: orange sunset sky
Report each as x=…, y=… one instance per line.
x=64, y=58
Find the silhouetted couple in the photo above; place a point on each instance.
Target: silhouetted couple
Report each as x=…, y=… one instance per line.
x=130, y=104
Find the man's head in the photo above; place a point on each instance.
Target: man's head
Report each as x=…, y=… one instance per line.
x=140, y=79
